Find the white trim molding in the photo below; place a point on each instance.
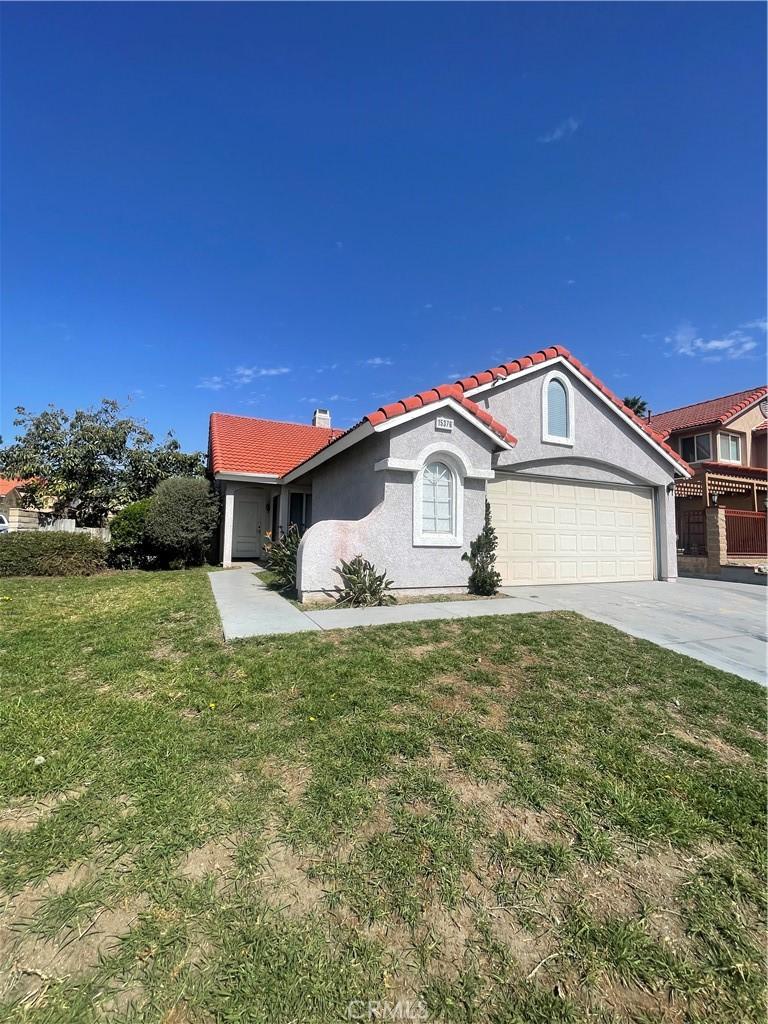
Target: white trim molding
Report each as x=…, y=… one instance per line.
x=449, y=403
x=546, y=437
x=252, y=478
x=468, y=471
x=454, y=539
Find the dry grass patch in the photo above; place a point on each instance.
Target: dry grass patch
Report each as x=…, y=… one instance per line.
x=216, y=857
x=25, y=815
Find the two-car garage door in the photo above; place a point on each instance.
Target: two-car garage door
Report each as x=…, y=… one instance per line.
x=561, y=531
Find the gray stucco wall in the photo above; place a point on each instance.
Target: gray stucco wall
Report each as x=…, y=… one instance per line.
x=604, y=449
x=359, y=510
x=384, y=533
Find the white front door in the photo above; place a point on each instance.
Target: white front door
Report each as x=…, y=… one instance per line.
x=250, y=524
x=566, y=531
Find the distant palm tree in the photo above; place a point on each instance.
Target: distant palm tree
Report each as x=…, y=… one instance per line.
x=636, y=404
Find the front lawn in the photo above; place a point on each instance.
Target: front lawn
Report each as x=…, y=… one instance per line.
x=505, y=819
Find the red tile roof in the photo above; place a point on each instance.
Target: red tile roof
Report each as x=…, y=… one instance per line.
x=760, y=427
x=245, y=444
x=6, y=486
x=239, y=456
x=701, y=414
x=454, y=391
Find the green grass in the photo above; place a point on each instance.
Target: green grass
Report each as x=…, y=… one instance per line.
x=506, y=819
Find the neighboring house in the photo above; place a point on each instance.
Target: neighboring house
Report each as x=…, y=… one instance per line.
x=724, y=442
x=13, y=515
x=720, y=511
x=580, y=488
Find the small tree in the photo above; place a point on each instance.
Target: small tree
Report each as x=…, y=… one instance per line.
x=181, y=520
x=484, y=579
x=638, y=405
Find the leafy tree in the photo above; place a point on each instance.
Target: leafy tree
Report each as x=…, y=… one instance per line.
x=91, y=463
x=129, y=547
x=180, y=521
x=484, y=579
x=636, y=404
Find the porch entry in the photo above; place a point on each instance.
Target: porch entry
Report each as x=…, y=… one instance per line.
x=250, y=524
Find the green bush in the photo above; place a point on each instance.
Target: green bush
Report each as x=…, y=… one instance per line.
x=180, y=521
x=281, y=557
x=129, y=547
x=50, y=553
x=484, y=579
x=362, y=586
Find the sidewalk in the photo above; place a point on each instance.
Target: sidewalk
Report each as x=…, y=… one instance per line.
x=248, y=608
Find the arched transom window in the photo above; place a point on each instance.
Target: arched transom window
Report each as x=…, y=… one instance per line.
x=438, y=499
x=557, y=411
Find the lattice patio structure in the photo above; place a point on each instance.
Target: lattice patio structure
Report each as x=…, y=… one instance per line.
x=713, y=484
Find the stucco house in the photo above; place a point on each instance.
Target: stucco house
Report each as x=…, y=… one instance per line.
x=13, y=515
x=721, y=509
x=580, y=488
x=724, y=442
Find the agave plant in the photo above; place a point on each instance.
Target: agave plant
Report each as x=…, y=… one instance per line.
x=281, y=557
x=362, y=586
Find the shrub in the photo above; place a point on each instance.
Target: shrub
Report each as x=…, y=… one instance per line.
x=362, y=586
x=129, y=547
x=180, y=521
x=484, y=579
x=50, y=553
x=281, y=558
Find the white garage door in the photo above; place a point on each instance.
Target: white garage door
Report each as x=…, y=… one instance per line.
x=560, y=531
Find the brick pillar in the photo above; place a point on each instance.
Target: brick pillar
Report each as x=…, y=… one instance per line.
x=717, y=549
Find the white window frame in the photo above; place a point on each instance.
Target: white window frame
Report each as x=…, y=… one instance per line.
x=720, y=438
x=546, y=437
x=454, y=539
x=695, y=438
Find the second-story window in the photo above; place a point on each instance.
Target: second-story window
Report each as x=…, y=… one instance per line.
x=730, y=448
x=696, y=449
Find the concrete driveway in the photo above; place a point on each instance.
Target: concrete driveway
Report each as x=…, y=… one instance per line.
x=722, y=624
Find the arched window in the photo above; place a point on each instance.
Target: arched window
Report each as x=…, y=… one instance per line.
x=557, y=411
x=438, y=499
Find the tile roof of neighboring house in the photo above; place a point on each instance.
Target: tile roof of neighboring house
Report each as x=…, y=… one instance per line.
x=701, y=414
x=454, y=391
x=6, y=486
x=760, y=427
x=501, y=372
x=245, y=444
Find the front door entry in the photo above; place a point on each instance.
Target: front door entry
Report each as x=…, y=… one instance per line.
x=249, y=525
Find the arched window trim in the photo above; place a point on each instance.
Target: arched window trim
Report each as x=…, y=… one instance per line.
x=452, y=539
x=546, y=437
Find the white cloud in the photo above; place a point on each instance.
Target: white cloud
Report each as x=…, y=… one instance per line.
x=211, y=383
x=496, y=309
x=756, y=325
x=245, y=374
x=564, y=130
x=378, y=361
x=735, y=344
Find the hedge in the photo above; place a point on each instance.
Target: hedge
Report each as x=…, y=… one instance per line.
x=51, y=553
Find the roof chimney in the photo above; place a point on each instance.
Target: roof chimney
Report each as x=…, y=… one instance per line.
x=321, y=418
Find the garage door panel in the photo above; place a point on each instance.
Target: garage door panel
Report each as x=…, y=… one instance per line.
x=566, y=531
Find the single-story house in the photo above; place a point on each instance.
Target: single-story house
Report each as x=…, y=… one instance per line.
x=13, y=515
x=580, y=488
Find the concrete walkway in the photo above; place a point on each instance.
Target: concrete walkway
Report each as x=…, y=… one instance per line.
x=721, y=624
x=248, y=608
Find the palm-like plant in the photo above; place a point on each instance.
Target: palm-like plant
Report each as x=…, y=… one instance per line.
x=637, y=404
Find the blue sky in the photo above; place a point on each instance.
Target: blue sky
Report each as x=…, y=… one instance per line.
x=257, y=208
